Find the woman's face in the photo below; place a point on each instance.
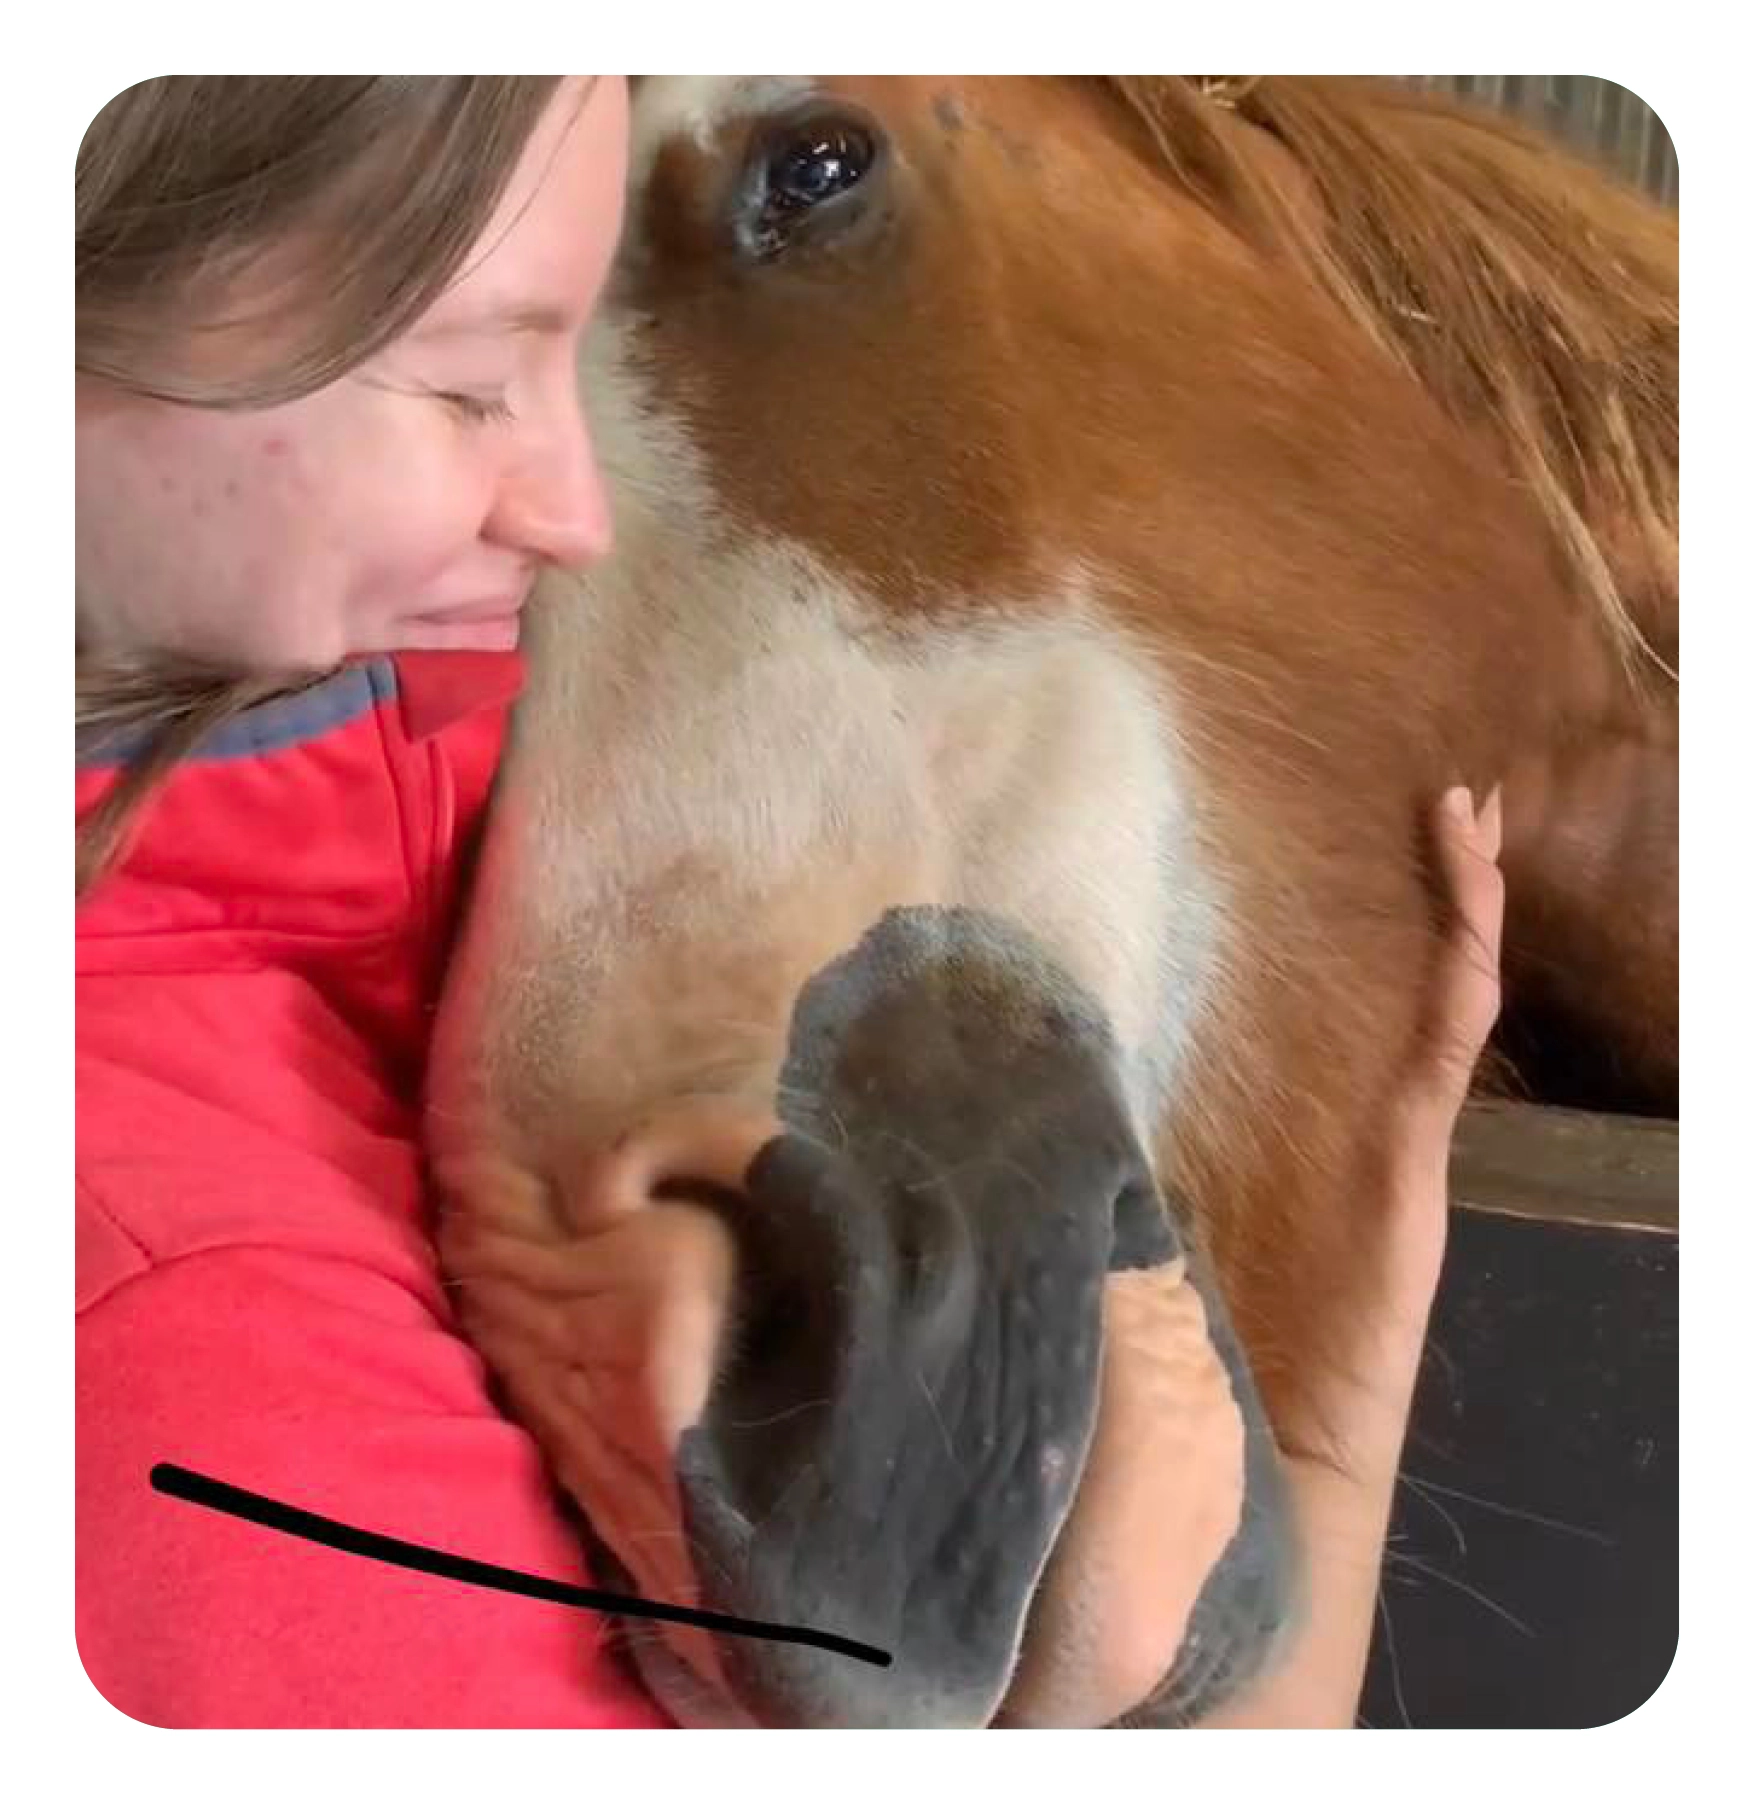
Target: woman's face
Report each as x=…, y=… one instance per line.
x=407, y=504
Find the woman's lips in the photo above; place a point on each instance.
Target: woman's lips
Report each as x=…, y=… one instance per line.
x=479, y=610
x=484, y=623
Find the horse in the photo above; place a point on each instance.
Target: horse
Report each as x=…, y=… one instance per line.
x=957, y=888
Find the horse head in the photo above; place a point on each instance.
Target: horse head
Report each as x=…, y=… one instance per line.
x=957, y=888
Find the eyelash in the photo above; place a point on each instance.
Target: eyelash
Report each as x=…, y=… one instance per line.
x=476, y=409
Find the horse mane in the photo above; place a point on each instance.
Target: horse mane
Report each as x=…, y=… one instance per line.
x=1522, y=287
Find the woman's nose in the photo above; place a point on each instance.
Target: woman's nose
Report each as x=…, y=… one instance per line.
x=552, y=502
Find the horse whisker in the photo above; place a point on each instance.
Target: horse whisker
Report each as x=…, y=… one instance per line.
x=1399, y=1692
x=1472, y=1592
x=1491, y=1504
x=935, y=1411
x=1460, y=1540
x=764, y=1422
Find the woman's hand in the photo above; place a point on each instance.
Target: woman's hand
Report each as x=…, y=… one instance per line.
x=1360, y=1411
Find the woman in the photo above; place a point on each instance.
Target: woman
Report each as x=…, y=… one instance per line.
x=327, y=434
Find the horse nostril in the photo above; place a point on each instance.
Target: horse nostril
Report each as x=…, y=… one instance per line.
x=700, y=1192
x=1142, y=1232
x=773, y=1318
x=699, y=1155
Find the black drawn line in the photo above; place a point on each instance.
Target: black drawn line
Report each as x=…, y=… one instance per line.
x=308, y=1526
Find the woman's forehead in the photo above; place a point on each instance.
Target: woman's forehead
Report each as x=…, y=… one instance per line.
x=544, y=253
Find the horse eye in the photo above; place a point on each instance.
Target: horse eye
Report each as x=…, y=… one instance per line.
x=813, y=164
x=817, y=163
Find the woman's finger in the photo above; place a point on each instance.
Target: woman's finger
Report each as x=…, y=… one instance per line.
x=1468, y=993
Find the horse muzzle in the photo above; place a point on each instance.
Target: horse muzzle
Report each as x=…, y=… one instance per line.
x=974, y=1399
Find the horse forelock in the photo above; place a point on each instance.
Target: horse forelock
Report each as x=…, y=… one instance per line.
x=1524, y=288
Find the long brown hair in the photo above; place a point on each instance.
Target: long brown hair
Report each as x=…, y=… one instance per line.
x=357, y=198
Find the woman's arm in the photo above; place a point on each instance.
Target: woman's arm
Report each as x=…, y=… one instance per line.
x=1359, y=1414
x=328, y=1384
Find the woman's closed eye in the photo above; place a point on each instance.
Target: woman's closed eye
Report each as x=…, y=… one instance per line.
x=476, y=408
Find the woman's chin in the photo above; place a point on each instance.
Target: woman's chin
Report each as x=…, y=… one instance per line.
x=488, y=633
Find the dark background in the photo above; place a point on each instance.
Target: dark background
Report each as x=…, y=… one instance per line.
x=1533, y=1568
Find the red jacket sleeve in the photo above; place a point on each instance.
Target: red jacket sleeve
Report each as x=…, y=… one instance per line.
x=331, y=1387
x=256, y=1295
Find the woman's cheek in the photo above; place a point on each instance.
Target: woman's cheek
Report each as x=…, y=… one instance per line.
x=416, y=546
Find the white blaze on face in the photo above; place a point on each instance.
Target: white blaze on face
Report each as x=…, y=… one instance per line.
x=1057, y=768
x=725, y=745
x=729, y=762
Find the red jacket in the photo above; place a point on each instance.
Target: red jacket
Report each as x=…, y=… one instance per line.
x=256, y=1296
